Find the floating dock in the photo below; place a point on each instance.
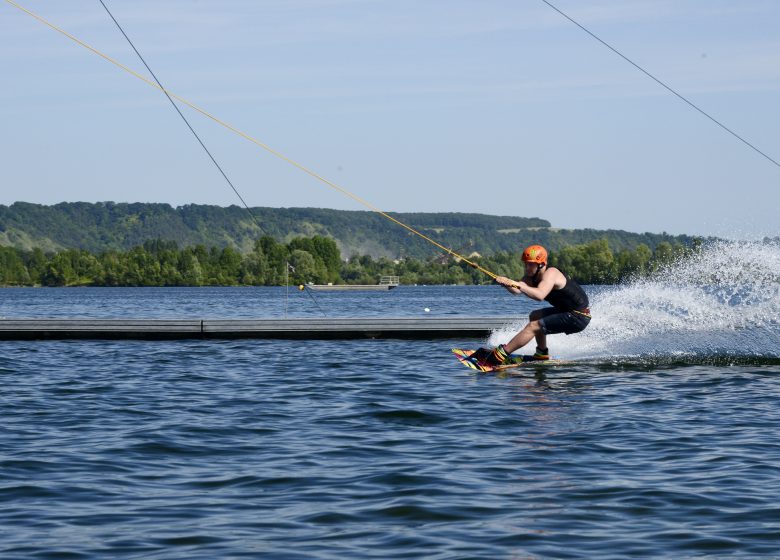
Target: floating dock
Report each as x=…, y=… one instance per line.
x=298, y=328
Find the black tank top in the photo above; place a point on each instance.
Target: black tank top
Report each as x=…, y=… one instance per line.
x=570, y=297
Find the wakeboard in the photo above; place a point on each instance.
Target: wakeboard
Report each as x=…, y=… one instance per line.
x=515, y=362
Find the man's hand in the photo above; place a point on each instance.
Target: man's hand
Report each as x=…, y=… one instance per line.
x=511, y=285
x=504, y=281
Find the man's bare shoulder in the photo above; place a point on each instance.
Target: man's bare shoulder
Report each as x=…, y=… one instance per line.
x=555, y=275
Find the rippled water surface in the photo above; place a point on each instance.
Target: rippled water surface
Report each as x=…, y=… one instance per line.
x=339, y=449
x=391, y=449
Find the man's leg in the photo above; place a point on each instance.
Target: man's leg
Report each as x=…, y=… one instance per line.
x=532, y=330
x=541, y=336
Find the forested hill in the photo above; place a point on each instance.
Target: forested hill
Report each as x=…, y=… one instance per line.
x=108, y=226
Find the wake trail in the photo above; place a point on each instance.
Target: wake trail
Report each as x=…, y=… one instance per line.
x=722, y=301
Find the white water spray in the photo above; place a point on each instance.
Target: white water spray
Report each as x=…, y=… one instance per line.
x=722, y=301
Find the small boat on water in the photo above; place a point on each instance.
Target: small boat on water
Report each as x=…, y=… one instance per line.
x=385, y=283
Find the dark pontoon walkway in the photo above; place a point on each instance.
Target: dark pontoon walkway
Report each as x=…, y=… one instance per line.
x=298, y=328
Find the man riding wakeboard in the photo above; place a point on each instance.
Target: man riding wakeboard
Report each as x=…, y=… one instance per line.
x=569, y=312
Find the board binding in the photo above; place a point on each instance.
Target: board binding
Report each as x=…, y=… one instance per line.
x=515, y=362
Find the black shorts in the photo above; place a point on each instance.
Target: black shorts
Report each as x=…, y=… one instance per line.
x=554, y=321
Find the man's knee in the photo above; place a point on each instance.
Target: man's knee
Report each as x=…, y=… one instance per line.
x=534, y=326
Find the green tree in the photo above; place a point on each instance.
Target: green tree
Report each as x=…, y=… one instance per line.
x=114, y=269
x=36, y=262
x=304, y=267
x=191, y=271
x=58, y=271
x=591, y=263
x=276, y=255
x=632, y=264
x=13, y=272
x=662, y=256
x=229, y=267
x=316, y=259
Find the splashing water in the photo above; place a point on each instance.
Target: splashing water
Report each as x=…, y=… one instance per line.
x=723, y=301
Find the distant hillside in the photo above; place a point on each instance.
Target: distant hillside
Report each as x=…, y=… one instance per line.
x=106, y=225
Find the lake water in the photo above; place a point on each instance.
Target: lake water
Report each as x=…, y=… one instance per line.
x=660, y=440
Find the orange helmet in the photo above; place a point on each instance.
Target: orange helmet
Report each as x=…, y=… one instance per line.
x=535, y=254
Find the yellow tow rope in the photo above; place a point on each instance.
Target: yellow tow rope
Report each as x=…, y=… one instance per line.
x=253, y=140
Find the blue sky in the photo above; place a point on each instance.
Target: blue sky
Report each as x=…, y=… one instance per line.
x=500, y=107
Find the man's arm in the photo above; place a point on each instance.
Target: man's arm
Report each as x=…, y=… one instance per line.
x=512, y=286
x=550, y=277
x=509, y=284
x=539, y=292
